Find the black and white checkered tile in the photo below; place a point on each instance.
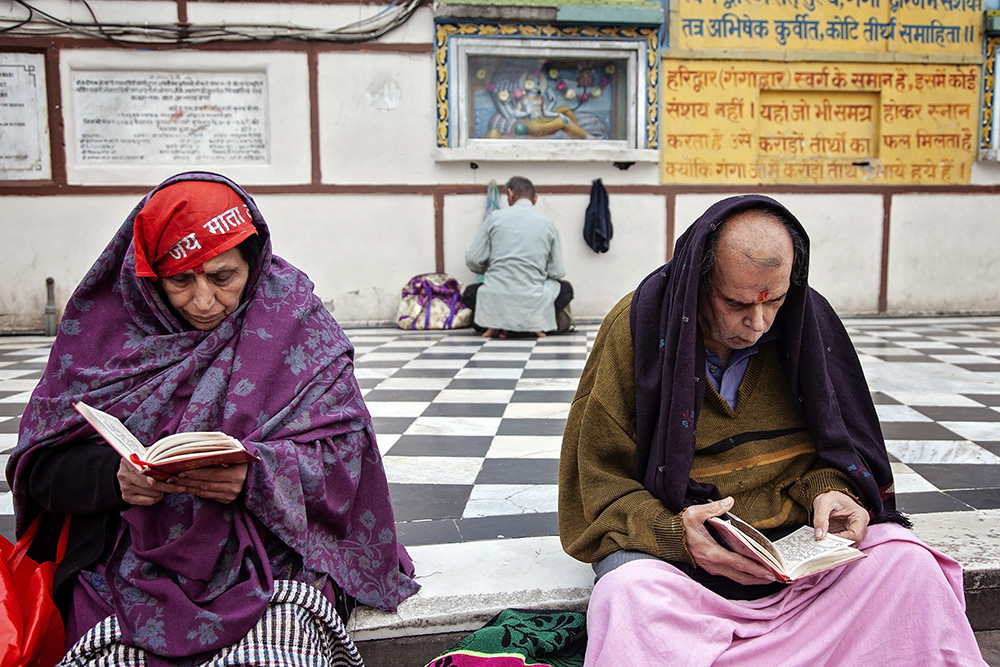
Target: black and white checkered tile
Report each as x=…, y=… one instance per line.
x=936, y=385
x=470, y=429
x=22, y=360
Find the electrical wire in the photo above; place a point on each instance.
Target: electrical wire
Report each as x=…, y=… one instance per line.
x=31, y=14
x=40, y=23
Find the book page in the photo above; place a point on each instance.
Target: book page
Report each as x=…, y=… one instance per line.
x=112, y=430
x=755, y=535
x=191, y=442
x=744, y=539
x=189, y=450
x=801, y=545
x=795, y=555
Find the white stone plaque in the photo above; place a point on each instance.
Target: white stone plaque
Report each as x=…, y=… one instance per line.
x=169, y=118
x=24, y=118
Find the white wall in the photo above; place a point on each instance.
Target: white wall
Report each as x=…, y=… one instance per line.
x=368, y=223
x=358, y=249
x=376, y=118
x=845, y=237
x=57, y=237
x=944, y=254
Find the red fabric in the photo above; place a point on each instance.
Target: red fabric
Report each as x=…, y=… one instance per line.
x=31, y=628
x=187, y=223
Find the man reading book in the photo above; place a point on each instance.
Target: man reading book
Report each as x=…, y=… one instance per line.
x=724, y=382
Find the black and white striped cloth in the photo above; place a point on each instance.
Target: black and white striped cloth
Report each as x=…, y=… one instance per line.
x=300, y=628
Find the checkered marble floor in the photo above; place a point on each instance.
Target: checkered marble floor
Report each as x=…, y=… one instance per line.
x=470, y=428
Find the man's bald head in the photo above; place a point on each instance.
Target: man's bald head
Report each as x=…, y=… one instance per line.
x=757, y=238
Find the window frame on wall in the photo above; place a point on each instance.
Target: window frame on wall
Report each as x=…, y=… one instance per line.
x=636, y=47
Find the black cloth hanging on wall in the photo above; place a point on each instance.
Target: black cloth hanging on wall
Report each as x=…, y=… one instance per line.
x=597, y=229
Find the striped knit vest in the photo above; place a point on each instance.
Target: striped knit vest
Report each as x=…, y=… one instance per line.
x=759, y=451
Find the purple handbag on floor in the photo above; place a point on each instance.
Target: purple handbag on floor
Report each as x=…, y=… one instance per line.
x=432, y=301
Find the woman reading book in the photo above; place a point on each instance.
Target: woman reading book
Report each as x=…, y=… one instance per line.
x=188, y=322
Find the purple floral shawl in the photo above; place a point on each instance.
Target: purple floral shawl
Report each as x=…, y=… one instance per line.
x=189, y=576
x=818, y=356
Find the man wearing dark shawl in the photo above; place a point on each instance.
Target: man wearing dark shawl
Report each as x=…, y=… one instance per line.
x=188, y=322
x=724, y=382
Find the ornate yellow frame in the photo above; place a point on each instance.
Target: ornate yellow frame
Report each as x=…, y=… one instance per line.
x=989, y=78
x=445, y=30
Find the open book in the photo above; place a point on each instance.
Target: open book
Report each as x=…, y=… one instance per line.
x=792, y=557
x=170, y=455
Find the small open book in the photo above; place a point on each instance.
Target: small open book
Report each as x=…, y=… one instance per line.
x=170, y=455
x=792, y=557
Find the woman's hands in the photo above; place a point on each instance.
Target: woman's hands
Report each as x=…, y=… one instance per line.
x=711, y=556
x=139, y=489
x=221, y=483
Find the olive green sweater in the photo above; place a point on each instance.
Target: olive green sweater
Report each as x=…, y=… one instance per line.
x=760, y=453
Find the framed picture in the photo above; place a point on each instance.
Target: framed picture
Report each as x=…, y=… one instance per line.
x=24, y=118
x=573, y=90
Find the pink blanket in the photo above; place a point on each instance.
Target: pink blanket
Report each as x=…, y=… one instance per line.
x=902, y=605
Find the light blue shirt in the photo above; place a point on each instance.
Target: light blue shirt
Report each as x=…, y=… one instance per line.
x=518, y=250
x=727, y=380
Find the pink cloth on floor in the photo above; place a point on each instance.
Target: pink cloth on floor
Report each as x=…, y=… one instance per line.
x=902, y=605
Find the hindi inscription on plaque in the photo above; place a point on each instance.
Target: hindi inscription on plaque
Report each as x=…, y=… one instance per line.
x=817, y=123
x=155, y=118
x=24, y=118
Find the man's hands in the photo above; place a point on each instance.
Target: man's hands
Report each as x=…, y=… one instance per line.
x=837, y=513
x=711, y=556
x=222, y=484
x=833, y=512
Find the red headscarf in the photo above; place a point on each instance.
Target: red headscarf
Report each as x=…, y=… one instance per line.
x=187, y=223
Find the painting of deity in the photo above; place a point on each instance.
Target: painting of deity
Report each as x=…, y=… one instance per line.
x=566, y=99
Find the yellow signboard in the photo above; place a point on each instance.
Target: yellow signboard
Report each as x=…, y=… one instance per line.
x=821, y=123
x=867, y=26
